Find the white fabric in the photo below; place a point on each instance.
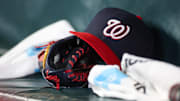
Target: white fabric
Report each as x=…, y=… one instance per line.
x=109, y=81
x=162, y=76
x=22, y=60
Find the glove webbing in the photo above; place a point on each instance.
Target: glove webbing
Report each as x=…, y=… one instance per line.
x=73, y=58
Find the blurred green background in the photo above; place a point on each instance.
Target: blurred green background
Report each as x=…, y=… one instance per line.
x=20, y=18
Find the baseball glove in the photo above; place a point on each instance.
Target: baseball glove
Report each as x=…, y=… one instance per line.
x=67, y=62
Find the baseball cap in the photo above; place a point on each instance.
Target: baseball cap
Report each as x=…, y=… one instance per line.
x=114, y=31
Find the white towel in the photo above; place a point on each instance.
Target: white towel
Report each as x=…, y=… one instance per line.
x=22, y=60
x=109, y=81
x=161, y=75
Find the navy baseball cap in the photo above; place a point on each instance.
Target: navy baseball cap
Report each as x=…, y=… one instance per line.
x=114, y=31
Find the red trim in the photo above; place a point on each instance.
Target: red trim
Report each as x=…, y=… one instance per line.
x=74, y=57
x=80, y=77
x=139, y=17
x=78, y=52
x=82, y=50
x=75, y=79
x=63, y=60
x=71, y=63
x=68, y=71
x=71, y=75
x=53, y=78
x=41, y=56
x=100, y=47
x=66, y=52
x=50, y=43
x=87, y=50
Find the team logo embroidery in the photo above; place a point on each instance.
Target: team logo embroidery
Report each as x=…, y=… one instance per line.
x=115, y=29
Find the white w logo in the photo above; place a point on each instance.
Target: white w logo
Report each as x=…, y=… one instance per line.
x=116, y=30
